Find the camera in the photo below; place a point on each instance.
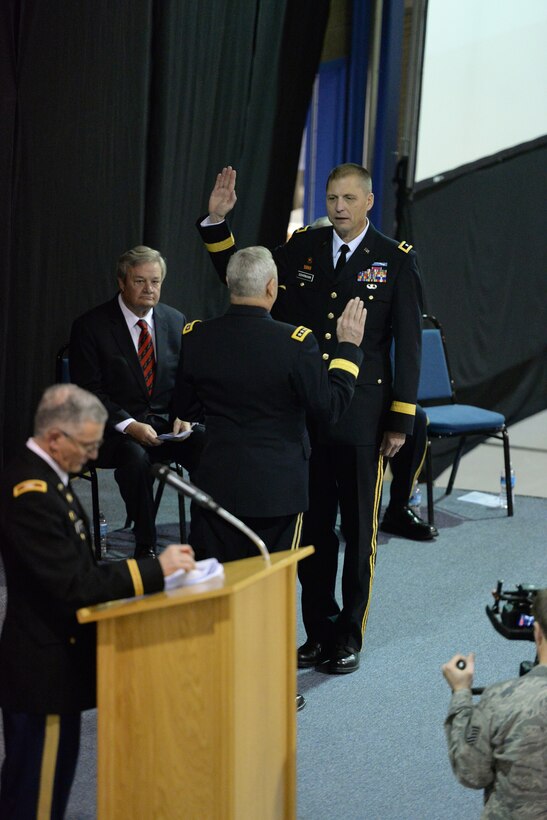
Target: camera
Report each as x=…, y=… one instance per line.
x=514, y=620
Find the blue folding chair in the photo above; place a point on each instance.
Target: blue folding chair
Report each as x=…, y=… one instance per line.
x=447, y=418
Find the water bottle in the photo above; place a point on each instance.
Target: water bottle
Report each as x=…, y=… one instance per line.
x=503, y=488
x=103, y=532
x=415, y=500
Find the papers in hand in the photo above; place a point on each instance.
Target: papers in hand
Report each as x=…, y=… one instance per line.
x=204, y=571
x=175, y=436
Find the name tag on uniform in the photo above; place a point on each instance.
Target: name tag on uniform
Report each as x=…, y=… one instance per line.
x=305, y=275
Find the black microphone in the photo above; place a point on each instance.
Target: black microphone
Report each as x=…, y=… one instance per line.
x=167, y=476
x=163, y=473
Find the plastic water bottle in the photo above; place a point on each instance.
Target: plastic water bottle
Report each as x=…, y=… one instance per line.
x=103, y=532
x=415, y=500
x=503, y=488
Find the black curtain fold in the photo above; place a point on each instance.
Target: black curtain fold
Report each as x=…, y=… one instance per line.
x=115, y=119
x=480, y=237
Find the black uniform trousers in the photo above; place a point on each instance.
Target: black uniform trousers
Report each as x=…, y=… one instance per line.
x=349, y=476
x=407, y=464
x=133, y=475
x=214, y=537
x=41, y=757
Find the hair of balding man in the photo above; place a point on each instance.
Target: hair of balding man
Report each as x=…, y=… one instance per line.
x=249, y=271
x=64, y=405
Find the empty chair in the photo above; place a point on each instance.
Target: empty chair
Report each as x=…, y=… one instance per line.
x=447, y=418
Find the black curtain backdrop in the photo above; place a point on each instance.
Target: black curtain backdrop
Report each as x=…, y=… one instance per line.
x=480, y=236
x=114, y=120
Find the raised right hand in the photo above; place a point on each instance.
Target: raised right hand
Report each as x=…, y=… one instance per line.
x=223, y=196
x=350, y=326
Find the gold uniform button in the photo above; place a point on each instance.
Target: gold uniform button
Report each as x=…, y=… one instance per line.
x=72, y=640
x=82, y=536
x=330, y=315
x=328, y=335
x=371, y=297
x=326, y=356
x=333, y=295
x=302, y=284
x=379, y=381
x=69, y=498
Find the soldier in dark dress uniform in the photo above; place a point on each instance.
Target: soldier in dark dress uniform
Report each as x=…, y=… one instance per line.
x=47, y=659
x=319, y=270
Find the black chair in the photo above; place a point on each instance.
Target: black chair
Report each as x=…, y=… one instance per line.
x=62, y=376
x=447, y=418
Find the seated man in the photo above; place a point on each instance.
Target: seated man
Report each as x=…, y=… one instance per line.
x=500, y=744
x=399, y=518
x=126, y=352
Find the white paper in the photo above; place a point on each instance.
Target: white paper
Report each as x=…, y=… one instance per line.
x=204, y=571
x=485, y=499
x=176, y=436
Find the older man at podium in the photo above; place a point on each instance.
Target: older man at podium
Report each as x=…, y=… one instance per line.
x=47, y=659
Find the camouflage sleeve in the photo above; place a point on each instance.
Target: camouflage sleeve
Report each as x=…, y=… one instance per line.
x=468, y=734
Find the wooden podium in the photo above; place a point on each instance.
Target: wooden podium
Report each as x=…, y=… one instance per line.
x=196, y=697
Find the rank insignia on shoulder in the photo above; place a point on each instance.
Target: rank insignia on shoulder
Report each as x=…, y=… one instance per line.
x=190, y=326
x=33, y=485
x=300, y=333
x=404, y=247
x=301, y=230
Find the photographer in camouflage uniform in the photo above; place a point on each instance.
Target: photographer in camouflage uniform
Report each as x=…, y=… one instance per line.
x=500, y=745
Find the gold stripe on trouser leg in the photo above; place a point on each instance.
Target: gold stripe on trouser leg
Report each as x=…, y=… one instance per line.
x=419, y=470
x=49, y=763
x=372, y=559
x=297, y=532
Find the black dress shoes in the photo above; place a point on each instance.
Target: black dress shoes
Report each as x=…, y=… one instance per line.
x=407, y=524
x=144, y=551
x=343, y=661
x=310, y=654
x=300, y=702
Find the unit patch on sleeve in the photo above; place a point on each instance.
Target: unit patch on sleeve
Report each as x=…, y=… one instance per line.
x=33, y=485
x=300, y=333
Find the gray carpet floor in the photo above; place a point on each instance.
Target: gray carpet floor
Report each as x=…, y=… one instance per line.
x=371, y=744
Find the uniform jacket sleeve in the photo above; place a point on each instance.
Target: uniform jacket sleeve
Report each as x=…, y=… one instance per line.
x=468, y=734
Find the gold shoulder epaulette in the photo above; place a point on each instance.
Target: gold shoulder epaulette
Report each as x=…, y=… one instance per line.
x=190, y=326
x=405, y=247
x=301, y=230
x=300, y=333
x=32, y=485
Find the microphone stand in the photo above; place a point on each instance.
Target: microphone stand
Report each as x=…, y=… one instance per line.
x=167, y=476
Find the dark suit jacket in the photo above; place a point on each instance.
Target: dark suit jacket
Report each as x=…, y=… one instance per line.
x=385, y=275
x=47, y=659
x=104, y=361
x=256, y=378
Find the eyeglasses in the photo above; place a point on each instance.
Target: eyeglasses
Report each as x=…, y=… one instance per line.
x=87, y=447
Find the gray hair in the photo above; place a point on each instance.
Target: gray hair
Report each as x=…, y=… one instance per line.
x=250, y=270
x=67, y=404
x=139, y=255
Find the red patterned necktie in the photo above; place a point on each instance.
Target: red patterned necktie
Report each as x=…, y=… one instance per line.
x=146, y=355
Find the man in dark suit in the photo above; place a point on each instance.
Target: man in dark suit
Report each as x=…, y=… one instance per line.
x=47, y=659
x=319, y=270
x=126, y=352
x=255, y=379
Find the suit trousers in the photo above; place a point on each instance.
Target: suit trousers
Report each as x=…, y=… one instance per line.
x=213, y=537
x=348, y=478
x=38, y=770
x=407, y=464
x=132, y=463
